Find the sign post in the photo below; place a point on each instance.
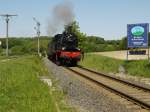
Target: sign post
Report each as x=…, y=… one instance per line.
x=137, y=37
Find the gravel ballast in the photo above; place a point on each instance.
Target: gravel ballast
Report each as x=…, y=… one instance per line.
x=81, y=95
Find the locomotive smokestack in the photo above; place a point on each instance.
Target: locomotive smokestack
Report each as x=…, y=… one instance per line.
x=62, y=15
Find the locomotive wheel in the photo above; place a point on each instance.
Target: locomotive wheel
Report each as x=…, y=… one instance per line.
x=49, y=57
x=73, y=63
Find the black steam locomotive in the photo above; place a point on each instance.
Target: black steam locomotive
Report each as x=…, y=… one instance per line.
x=63, y=49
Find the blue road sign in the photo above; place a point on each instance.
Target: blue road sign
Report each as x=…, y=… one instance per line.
x=137, y=35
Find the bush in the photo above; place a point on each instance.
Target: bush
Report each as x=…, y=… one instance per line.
x=17, y=50
x=1, y=50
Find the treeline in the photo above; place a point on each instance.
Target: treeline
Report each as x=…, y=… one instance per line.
x=98, y=44
x=22, y=45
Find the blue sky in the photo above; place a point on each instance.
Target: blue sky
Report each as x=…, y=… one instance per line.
x=105, y=18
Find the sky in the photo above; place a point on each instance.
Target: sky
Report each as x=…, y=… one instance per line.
x=103, y=18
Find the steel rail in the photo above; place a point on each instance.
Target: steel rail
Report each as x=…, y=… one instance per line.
x=126, y=96
x=117, y=79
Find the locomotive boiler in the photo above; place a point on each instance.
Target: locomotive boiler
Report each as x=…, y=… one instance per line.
x=63, y=49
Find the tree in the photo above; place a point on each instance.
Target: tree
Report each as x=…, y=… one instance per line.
x=74, y=28
x=123, y=43
x=95, y=39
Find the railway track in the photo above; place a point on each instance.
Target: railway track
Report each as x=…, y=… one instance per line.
x=139, y=95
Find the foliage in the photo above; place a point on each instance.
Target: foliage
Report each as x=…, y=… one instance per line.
x=92, y=43
x=1, y=50
x=76, y=30
x=19, y=46
x=98, y=44
x=138, y=68
x=106, y=64
x=123, y=43
x=21, y=90
x=101, y=63
x=17, y=50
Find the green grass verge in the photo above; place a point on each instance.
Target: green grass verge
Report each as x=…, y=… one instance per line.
x=106, y=64
x=22, y=91
x=2, y=57
x=138, y=68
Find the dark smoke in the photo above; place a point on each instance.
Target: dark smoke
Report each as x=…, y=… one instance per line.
x=62, y=15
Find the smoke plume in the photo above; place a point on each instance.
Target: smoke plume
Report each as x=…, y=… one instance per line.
x=62, y=14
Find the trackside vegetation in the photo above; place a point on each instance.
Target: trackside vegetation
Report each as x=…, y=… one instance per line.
x=21, y=90
x=28, y=45
x=110, y=65
x=2, y=57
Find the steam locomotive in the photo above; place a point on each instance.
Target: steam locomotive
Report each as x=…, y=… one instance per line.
x=63, y=49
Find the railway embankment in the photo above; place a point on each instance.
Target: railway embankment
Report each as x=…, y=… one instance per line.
x=82, y=94
x=137, y=95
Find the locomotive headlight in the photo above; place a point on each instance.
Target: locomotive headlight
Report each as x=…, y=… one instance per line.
x=79, y=49
x=63, y=48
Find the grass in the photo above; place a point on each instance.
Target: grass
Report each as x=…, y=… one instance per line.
x=2, y=57
x=110, y=65
x=100, y=63
x=138, y=68
x=22, y=91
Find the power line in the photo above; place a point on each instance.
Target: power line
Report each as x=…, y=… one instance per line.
x=7, y=18
x=37, y=28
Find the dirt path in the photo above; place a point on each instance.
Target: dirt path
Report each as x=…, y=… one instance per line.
x=122, y=55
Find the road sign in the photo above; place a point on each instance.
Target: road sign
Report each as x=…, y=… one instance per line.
x=137, y=35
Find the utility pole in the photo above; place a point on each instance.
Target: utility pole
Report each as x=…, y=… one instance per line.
x=37, y=28
x=7, y=18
